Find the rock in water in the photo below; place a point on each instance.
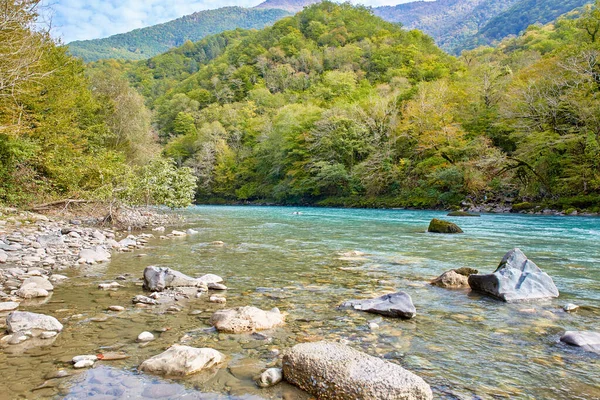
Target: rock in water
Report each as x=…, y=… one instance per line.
x=589, y=341
x=270, y=377
x=462, y=214
x=182, y=360
x=454, y=279
x=440, y=226
x=335, y=371
x=246, y=319
x=19, y=321
x=515, y=279
x=157, y=279
x=395, y=305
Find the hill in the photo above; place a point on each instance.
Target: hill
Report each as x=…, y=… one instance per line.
x=293, y=6
x=147, y=42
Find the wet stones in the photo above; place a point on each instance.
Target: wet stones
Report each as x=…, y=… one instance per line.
x=270, y=377
x=516, y=279
x=246, y=319
x=145, y=337
x=454, y=279
x=18, y=321
x=587, y=340
x=441, y=226
x=157, y=279
x=8, y=306
x=335, y=371
x=181, y=360
x=395, y=305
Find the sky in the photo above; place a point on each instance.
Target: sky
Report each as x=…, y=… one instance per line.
x=91, y=19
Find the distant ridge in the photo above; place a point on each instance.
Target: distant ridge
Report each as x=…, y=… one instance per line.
x=287, y=5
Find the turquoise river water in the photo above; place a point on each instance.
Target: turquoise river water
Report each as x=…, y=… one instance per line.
x=465, y=345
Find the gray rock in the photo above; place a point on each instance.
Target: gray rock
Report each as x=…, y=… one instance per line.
x=8, y=306
x=396, y=305
x=157, y=279
x=145, y=337
x=50, y=240
x=40, y=282
x=270, y=377
x=3, y=257
x=25, y=321
x=246, y=319
x=515, y=279
x=97, y=254
x=182, y=360
x=31, y=291
x=144, y=300
x=335, y=371
x=587, y=340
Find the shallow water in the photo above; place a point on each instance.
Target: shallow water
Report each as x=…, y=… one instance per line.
x=466, y=346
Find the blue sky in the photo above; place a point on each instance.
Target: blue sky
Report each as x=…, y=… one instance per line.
x=90, y=19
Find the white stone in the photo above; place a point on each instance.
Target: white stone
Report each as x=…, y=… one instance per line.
x=88, y=357
x=270, y=377
x=181, y=360
x=145, y=337
x=84, y=364
x=8, y=306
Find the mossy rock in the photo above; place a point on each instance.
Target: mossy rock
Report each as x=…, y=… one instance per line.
x=466, y=271
x=462, y=214
x=525, y=206
x=440, y=226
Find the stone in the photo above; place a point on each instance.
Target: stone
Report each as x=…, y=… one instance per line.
x=516, y=279
x=210, y=278
x=440, y=226
x=217, y=299
x=48, y=335
x=83, y=364
x=336, y=371
x=97, y=254
x=462, y=214
x=8, y=306
x=454, y=279
x=129, y=241
x=57, y=278
x=109, y=286
x=396, y=305
x=373, y=326
x=158, y=229
x=270, y=377
x=587, y=340
x=40, y=282
x=178, y=233
x=31, y=291
x=116, y=308
x=157, y=279
x=570, y=307
x=217, y=286
x=145, y=337
x=112, y=356
x=3, y=257
x=144, y=300
x=88, y=357
x=192, y=232
x=181, y=360
x=246, y=319
x=25, y=321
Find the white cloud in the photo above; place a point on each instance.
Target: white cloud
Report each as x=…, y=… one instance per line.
x=90, y=19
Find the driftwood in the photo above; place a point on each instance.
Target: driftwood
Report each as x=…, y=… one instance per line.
x=65, y=203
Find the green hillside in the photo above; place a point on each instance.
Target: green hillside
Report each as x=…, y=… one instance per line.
x=147, y=42
x=337, y=107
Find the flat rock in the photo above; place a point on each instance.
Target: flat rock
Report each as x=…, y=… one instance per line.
x=94, y=255
x=181, y=360
x=335, y=371
x=587, y=340
x=246, y=319
x=144, y=300
x=395, y=305
x=8, y=306
x=31, y=291
x=25, y=321
x=40, y=282
x=157, y=279
x=516, y=279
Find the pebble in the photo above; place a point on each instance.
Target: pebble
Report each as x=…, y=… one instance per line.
x=85, y=357
x=116, y=308
x=145, y=337
x=217, y=299
x=108, y=286
x=83, y=364
x=570, y=307
x=48, y=334
x=373, y=326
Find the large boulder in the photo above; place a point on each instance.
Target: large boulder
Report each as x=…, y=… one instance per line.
x=454, y=279
x=396, y=305
x=440, y=226
x=587, y=340
x=157, y=279
x=182, y=360
x=20, y=321
x=246, y=319
x=335, y=371
x=516, y=279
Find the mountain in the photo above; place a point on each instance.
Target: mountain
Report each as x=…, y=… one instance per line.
x=457, y=25
x=293, y=6
x=147, y=42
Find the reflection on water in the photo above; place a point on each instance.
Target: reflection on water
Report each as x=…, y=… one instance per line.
x=465, y=345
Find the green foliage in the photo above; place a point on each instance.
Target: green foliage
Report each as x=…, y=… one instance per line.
x=147, y=42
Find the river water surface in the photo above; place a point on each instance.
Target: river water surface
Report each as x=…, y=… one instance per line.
x=465, y=345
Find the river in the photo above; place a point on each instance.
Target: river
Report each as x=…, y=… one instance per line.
x=465, y=345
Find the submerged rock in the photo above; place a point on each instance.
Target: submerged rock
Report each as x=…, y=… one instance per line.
x=570, y=307
x=246, y=319
x=97, y=254
x=18, y=321
x=157, y=279
x=440, y=226
x=462, y=214
x=587, y=340
x=395, y=305
x=270, y=377
x=454, y=279
x=182, y=360
x=516, y=279
x=335, y=371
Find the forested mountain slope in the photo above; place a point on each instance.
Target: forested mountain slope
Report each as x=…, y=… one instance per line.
x=147, y=42
x=335, y=106
x=288, y=5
